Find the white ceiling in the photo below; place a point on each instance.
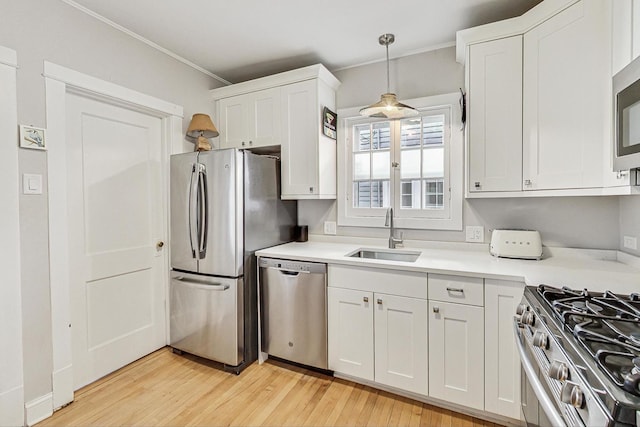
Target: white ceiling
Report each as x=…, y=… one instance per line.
x=243, y=39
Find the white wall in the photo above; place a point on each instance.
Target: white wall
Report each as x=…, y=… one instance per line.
x=630, y=221
x=56, y=32
x=583, y=222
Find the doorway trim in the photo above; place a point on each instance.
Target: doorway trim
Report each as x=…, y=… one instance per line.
x=58, y=82
x=11, y=362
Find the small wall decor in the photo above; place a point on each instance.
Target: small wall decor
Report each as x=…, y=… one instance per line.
x=329, y=121
x=32, y=137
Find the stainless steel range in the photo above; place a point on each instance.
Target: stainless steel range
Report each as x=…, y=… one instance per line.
x=580, y=354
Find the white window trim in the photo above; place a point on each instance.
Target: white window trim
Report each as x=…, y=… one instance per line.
x=456, y=162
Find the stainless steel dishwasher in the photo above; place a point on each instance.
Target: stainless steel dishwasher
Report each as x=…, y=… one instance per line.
x=293, y=302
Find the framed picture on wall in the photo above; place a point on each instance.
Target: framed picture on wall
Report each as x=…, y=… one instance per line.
x=32, y=137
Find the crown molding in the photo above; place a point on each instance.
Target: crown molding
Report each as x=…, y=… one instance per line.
x=145, y=41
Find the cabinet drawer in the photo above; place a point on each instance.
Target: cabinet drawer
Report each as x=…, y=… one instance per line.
x=457, y=289
x=394, y=282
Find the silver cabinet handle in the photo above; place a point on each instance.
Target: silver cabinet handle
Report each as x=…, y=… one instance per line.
x=477, y=184
x=527, y=182
x=379, y=301
x=436, y=309
x=455, y=290
x=365, y=299
x=250, y=142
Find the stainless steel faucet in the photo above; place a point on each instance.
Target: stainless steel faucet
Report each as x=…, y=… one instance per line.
x=388, y=222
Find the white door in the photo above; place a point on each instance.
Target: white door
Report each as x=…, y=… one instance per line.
x=116, y=218
x=350, y=332
x=456, y=353
x=401, y=342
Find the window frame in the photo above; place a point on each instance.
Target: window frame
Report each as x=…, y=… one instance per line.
x=438, y=219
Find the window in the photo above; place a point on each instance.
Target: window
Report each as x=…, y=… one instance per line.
x=412, y=165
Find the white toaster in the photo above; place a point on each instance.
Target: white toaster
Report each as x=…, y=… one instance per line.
x=525, y=244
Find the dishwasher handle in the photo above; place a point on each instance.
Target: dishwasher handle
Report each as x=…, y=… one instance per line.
x=292, y=268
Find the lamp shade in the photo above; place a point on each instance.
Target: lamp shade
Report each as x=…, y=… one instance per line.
x=201, y=125
x=389, y=107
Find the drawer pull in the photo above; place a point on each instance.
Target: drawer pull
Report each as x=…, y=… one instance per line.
x=365, y=299
x=379, y=301
x=455, y=290
x=436, y=310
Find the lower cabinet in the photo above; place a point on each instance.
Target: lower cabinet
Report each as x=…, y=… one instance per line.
x=379, y=337
x=456, y=356
x=456, y=346
x=350, y=332
x=401, y=342
x=502, y=363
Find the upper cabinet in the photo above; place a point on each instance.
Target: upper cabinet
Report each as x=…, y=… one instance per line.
x=626, y=33
x=285, y=110
x=539, y=89
x=566, y=91
x=495, y=112
x=250, y=120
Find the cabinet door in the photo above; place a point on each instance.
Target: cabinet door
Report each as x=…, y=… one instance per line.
x=495, y=115
x=502, y=363
x=264, y=119
x=456, y=353
x=350, y=328
x=233, y=121
x=566, y=110
x=401, y=342
x=301, y=128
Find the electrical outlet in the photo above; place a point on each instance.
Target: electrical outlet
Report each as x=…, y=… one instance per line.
x=475, y=233
x=630, y=242
x=330, y=227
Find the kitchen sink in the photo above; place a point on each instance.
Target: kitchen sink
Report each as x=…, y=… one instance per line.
x=389, y=255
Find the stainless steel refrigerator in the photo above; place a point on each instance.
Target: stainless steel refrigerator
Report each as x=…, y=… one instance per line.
x=225, y=205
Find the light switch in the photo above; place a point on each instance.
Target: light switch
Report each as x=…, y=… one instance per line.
x=31, y=184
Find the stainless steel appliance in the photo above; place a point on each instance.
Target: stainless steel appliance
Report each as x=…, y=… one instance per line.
x=225, y=205
x=293, y=303
x=580, y=354
x=626, y=117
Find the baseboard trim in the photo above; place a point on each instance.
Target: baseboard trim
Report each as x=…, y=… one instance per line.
x=11, y=407
x=38, y=409
x=62, y=381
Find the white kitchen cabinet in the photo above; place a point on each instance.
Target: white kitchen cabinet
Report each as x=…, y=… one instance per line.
x=250, y=120
x=566, y=91
x=456, y=363
x=401, y=342
x=284, y=111
x=566, y=59
x=456, y=356
x=350, y=331
x=495, y=115
x=377, y=336
x=625, y=33
x=308, y=156
x=502, y=363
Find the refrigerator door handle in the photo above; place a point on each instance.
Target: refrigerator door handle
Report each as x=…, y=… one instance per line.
x=193, y=215
x=203, y=211
x=201, y=285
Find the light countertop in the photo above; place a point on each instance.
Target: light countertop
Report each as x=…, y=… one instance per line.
x=594, y=269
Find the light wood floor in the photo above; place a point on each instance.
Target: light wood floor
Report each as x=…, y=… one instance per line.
x=165, y=389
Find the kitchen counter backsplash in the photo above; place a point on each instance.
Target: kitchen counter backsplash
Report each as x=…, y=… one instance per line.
x=577, y=268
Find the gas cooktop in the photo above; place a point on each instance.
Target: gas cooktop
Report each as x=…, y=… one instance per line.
x=606, y=325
